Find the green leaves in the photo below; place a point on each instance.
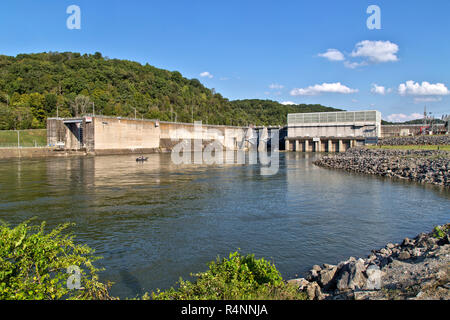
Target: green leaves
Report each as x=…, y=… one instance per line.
x=236, y=278
x=33, y=85
x=33, y=265
x=439, y=232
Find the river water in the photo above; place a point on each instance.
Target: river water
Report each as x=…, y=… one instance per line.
x=156, y=221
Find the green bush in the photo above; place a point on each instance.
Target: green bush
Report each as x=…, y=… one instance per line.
x=440, y=232
x=236, y=278
x=33, y=265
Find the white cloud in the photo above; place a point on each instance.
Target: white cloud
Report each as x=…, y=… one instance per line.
x=323, y=88
x=401, y=117
x=424, y=89
x=287, y=103
x=332, y=55
x=276, y=86
x=206, y=74
x=376, y=51
x=376, y=89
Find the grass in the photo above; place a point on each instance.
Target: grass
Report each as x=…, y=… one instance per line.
x=27, y=138
x=418, y=147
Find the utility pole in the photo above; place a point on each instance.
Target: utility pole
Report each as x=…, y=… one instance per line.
x=18, y=138
x=93, y=109
x=425, y=115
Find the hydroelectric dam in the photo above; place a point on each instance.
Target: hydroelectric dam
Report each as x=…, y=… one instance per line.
x=305, y=132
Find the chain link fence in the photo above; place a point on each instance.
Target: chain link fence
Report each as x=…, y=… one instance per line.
x=32, y=138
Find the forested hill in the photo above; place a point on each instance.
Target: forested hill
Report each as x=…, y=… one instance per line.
x=34, y=86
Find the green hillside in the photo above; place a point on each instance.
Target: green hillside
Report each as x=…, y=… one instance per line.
x=23, y=138
x=34, y=86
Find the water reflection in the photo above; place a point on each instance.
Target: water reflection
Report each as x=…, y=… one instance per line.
x=155, y=221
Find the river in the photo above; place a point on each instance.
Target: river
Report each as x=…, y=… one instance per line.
x=156, y=221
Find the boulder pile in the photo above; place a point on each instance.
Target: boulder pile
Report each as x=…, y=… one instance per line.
x=424, y=166
x=417, y=268
x=414, y=141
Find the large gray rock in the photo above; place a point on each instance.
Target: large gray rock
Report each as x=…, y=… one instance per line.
x=373, y=282
x=313, y=275
x=301, y=283
x=404, y=255
x=351, y=276
x=316, y=268
x=314, y=292
x=326, y=276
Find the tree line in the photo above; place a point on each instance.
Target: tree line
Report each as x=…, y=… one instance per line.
x=36, y=86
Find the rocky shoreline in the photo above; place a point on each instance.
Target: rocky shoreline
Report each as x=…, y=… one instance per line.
x=416, y=140
x=423, y=166
x=416, y=269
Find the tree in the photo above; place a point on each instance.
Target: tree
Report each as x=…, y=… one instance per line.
x=80, y=105
x=45, y=82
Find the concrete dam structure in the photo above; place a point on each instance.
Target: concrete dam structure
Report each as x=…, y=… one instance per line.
x=115, y=135
x=331, y=131
x=305, y=132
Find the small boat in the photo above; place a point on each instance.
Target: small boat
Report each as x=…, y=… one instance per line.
x=141, y=159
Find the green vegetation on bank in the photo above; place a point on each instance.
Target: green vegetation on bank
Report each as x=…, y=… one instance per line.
x=413, y=147
x=236, y=278
x=36, y=86
x=25, y=138
x=34, y=266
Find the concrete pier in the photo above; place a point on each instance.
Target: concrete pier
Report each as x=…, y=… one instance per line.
x=325, y=144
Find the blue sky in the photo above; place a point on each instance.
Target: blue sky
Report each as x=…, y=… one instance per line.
x=288, y=51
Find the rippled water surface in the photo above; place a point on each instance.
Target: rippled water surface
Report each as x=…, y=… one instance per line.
x=154, y=222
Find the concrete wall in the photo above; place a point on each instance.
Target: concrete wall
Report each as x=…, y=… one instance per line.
x=172, y=133
x=114, y=133
x=55, y=132
x=103, y=135
x=11, y=153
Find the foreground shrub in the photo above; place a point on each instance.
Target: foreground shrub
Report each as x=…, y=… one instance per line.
x=236, y=278
x=33, y=265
